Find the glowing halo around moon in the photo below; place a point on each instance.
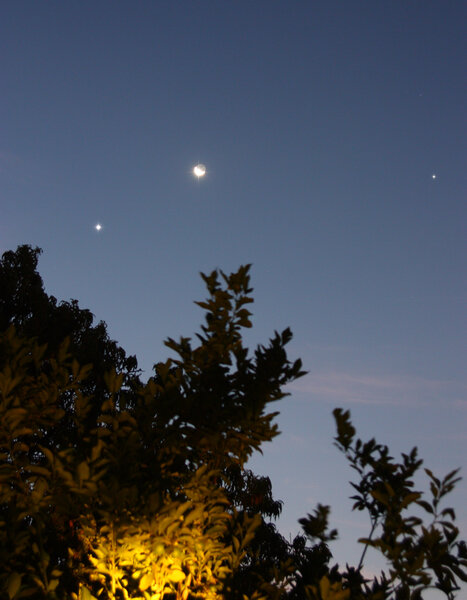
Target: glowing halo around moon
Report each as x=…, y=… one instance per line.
x=199, y=170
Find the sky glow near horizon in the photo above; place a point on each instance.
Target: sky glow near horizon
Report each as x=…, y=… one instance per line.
x=334, y=137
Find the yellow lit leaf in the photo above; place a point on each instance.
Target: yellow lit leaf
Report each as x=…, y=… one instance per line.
x=13, y=584
x=85, y=594
x=83, y=471
x=324, y=586
x=52, y=585
x=176, y=576
x=145, y=582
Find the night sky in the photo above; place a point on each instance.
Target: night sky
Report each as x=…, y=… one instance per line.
x=333, y=134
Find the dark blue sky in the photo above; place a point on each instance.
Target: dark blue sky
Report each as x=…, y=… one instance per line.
x=321, y=125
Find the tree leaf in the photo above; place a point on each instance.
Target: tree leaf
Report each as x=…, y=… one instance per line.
x=13, y=584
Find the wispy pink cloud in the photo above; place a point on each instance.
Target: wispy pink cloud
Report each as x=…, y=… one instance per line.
x=396, y=390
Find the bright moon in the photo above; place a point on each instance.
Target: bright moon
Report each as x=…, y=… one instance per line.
x=199, y=170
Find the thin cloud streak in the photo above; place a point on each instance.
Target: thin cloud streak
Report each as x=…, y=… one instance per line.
x=390, y=390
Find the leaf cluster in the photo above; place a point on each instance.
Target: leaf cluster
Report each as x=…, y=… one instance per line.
x=421, y=553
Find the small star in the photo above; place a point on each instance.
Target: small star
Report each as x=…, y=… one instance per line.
x=98, y=227
x=433, y=176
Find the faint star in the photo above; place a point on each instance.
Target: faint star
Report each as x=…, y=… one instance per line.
x=433, y=176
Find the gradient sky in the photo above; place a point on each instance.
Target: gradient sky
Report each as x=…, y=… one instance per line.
x=321, y=125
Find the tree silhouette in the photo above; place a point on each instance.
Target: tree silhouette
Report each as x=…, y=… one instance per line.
x=113, y=488
x=115, y=454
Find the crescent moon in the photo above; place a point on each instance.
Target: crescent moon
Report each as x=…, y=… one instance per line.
x=199, y=170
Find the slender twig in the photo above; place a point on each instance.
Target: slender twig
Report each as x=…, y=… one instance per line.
x=360, y=564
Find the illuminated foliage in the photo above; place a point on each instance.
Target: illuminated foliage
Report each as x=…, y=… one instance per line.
x=189, y=547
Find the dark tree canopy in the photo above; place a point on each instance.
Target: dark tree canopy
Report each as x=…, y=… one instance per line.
x=112, y=488
x=25, y=304
x=36, y=315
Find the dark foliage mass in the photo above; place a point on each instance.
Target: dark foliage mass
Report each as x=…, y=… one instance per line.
x=113, y=488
